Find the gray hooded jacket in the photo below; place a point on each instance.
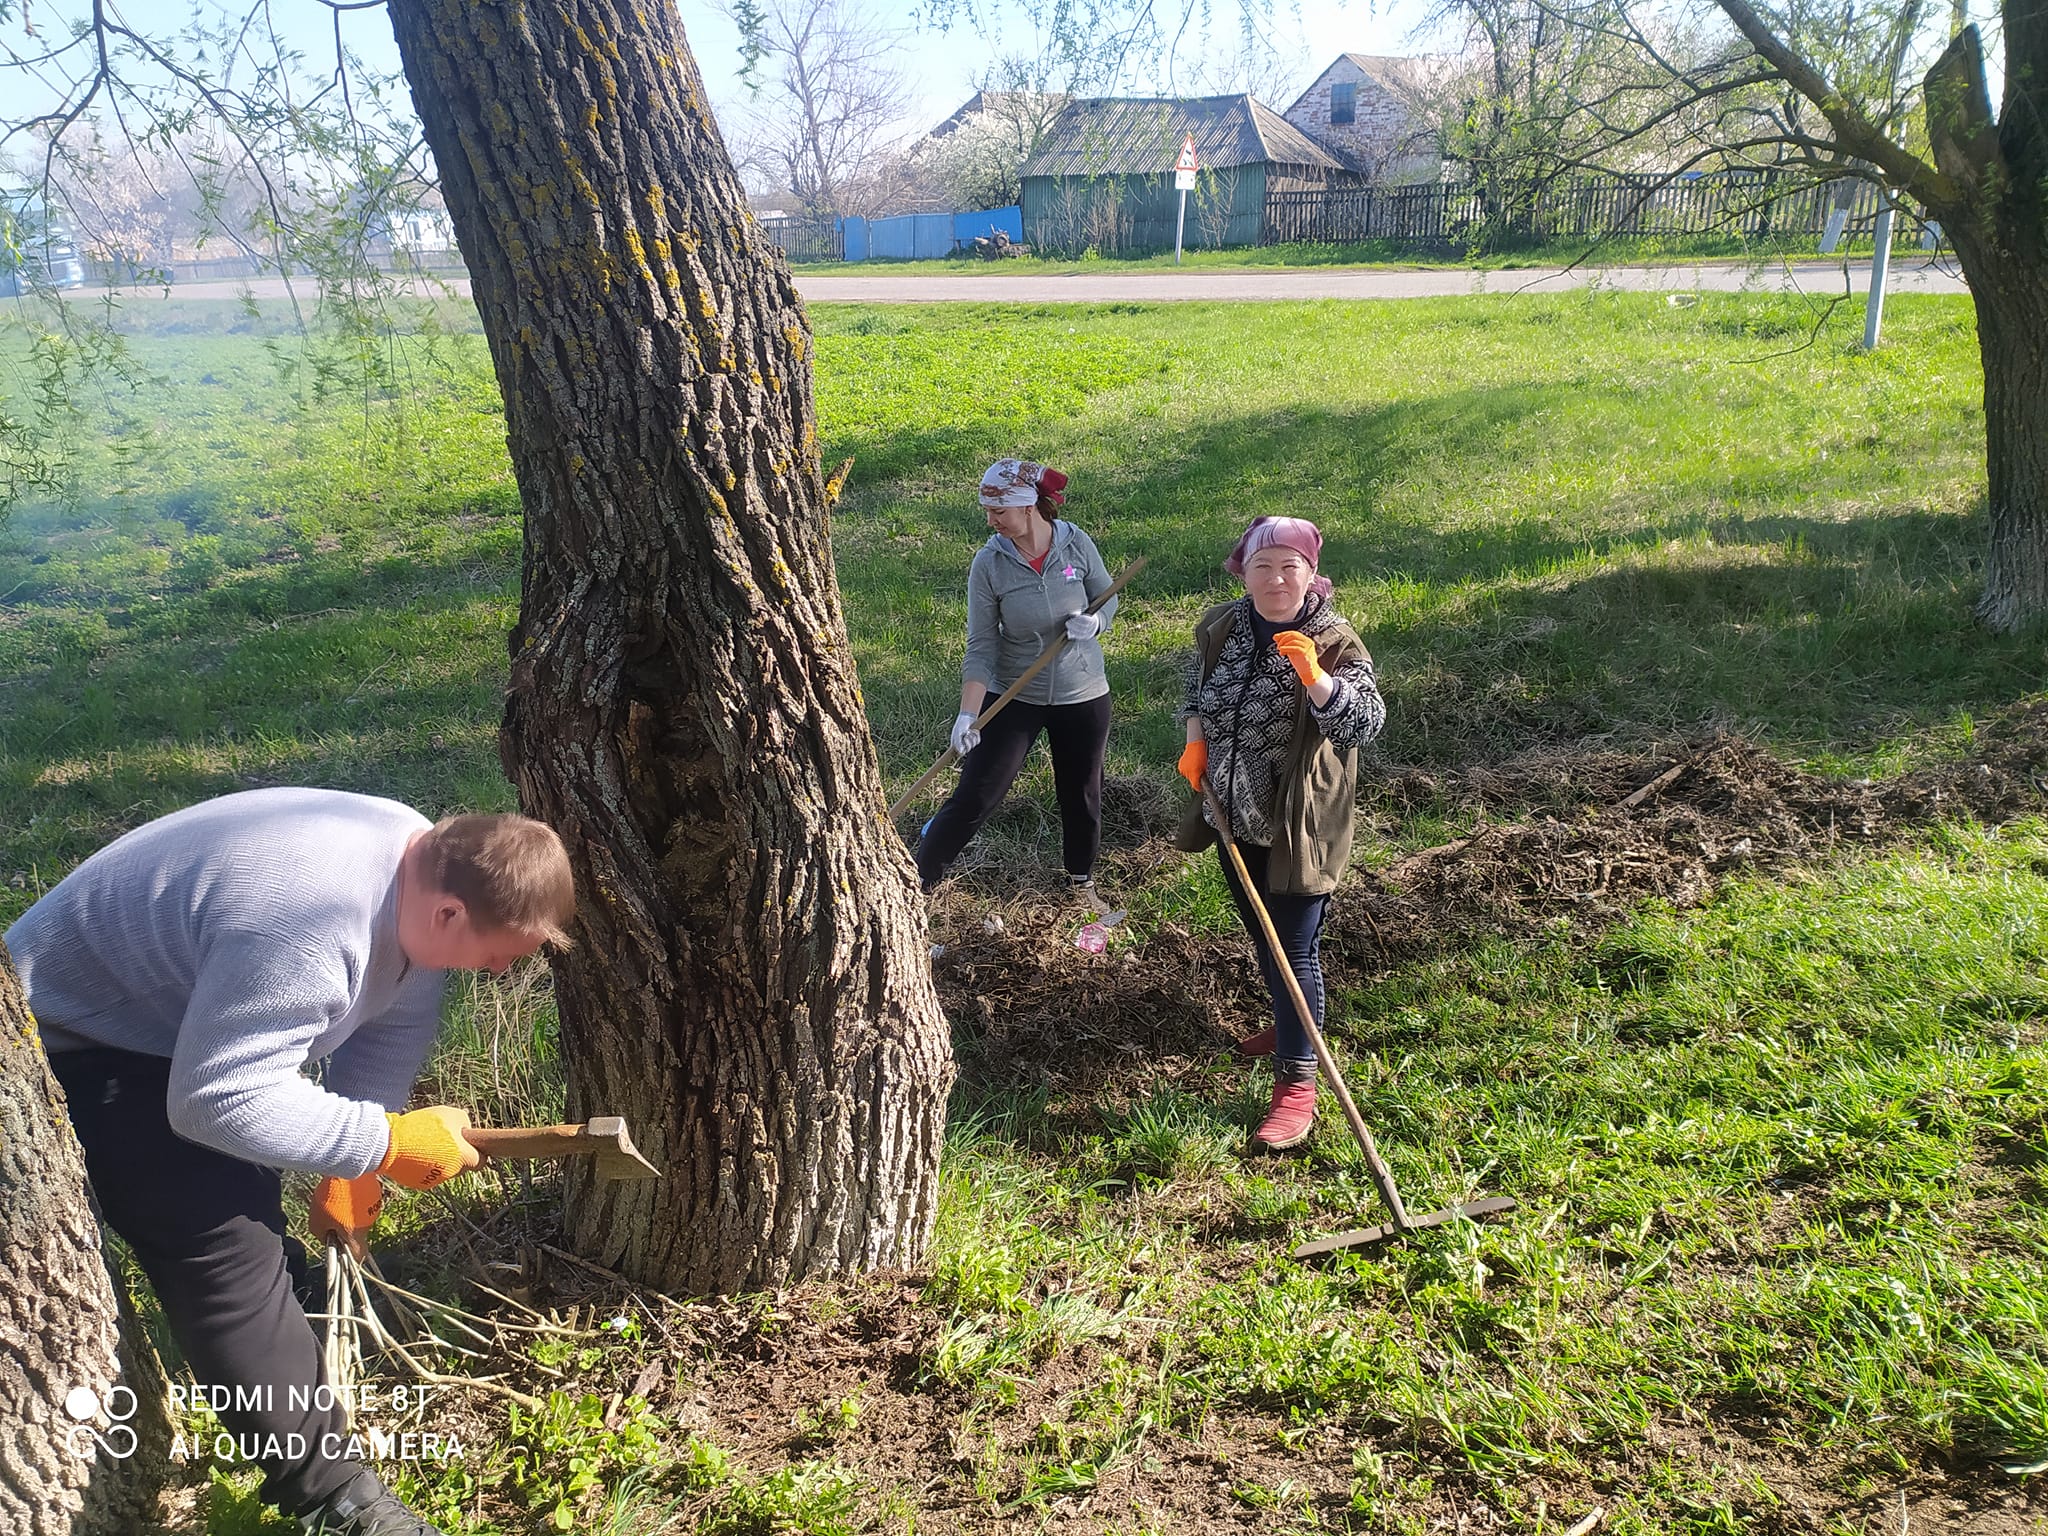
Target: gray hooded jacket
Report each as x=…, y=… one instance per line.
x=1014, y=613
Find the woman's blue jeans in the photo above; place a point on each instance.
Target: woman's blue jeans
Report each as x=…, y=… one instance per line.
x=1298, y=920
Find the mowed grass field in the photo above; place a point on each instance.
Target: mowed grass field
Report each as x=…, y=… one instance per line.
x=1781, y=1262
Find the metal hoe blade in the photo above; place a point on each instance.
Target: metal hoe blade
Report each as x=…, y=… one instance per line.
x=617, y=1157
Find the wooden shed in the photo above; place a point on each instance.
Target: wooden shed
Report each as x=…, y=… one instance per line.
x=1104, y=175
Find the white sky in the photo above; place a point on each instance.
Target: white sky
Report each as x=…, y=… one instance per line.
x=941, y=67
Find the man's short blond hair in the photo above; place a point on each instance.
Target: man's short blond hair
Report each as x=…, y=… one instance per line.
x=511, y=872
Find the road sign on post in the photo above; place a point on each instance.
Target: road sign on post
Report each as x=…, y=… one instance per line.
x=1184, y=170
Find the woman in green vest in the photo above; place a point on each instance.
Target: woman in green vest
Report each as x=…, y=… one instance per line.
x=1279, y=701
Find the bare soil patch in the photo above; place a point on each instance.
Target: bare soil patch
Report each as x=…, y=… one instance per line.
x=1621, y=828
x=1587, y=836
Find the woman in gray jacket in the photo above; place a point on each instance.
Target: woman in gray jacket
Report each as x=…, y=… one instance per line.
x=1029, y=584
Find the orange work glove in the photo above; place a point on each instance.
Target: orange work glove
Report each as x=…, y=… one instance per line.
x=346, y=1209
x=1300, y=652
x=1194, y=762
x=427, y=1146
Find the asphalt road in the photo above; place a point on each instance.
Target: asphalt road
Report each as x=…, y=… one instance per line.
x=899, y=285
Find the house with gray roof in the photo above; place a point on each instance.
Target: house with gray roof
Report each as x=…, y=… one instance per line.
x=1103, y=175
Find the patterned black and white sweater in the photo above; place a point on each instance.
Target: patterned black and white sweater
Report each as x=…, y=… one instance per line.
x=1248, y=704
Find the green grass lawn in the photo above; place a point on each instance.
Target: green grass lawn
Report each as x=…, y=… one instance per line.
x=1551, y=518
x=1780, y=1259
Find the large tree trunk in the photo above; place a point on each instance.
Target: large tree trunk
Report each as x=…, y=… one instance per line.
x=64, y=1324
x=2012, y=335
x=1998, y=168
x=750, y=987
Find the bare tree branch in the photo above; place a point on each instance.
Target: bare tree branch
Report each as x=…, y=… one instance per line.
x=1857, y=134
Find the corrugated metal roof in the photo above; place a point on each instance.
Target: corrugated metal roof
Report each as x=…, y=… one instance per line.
x=1123, y=136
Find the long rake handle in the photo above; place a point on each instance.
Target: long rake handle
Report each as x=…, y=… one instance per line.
x=1382, y=1176
x=948, y=757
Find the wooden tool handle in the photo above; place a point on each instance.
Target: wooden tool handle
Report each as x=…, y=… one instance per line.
x=948, y=757
x=548, y=1141
x=1382, y=1176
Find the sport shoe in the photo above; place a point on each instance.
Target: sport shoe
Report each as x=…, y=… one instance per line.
x=1082, y=889
x=1252, y=1047
x=364, y=1507
x=1291, y=1118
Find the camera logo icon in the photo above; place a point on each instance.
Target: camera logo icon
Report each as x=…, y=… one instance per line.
x=83, y=1437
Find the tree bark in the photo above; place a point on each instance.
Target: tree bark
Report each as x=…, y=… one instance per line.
x=750, y=986
x=2011, y=298
x=1998, y=219
x=64, y=1323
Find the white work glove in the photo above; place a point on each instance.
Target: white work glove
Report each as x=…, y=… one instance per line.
x=1083, y=626
x=965, y=737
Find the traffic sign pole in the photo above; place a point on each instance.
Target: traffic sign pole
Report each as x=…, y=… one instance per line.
x=1184, y=180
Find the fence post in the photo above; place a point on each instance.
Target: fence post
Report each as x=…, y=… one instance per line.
x=1880, y=268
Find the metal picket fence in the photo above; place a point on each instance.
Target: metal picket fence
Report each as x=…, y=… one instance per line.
x=807, y=239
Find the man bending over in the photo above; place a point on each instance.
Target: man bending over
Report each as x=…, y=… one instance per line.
x=183, y=976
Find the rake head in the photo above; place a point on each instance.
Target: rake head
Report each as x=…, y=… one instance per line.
x=1363, y=1236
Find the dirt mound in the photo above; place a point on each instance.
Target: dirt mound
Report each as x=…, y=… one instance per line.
x=1613, y=829
x=1666, y=824
x=1030, y=1009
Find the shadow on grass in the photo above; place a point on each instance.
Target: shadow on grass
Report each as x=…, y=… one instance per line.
x=1835, y=633
x=1332, y=465
x=1833, y=637
x=386, y=680
x=1328, y=465
x=1840, y=632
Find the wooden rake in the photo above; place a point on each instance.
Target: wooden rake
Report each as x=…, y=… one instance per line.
x=1403, y=1222
x=948, y=757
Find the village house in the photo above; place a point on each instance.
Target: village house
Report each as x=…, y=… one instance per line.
x=1366, y=111
x=1103, y=177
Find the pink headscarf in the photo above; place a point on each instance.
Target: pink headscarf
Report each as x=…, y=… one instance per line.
x=1295, y=533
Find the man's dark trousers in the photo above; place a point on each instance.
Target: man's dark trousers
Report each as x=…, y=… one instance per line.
x=208, y=1230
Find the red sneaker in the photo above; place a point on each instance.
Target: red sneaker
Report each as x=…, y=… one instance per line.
x=1290, y=1119
x=1252, y=1047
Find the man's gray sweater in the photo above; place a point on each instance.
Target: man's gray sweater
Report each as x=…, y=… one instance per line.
x=243, y=938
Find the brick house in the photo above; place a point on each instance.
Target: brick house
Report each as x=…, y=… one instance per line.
x=1365, y=110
